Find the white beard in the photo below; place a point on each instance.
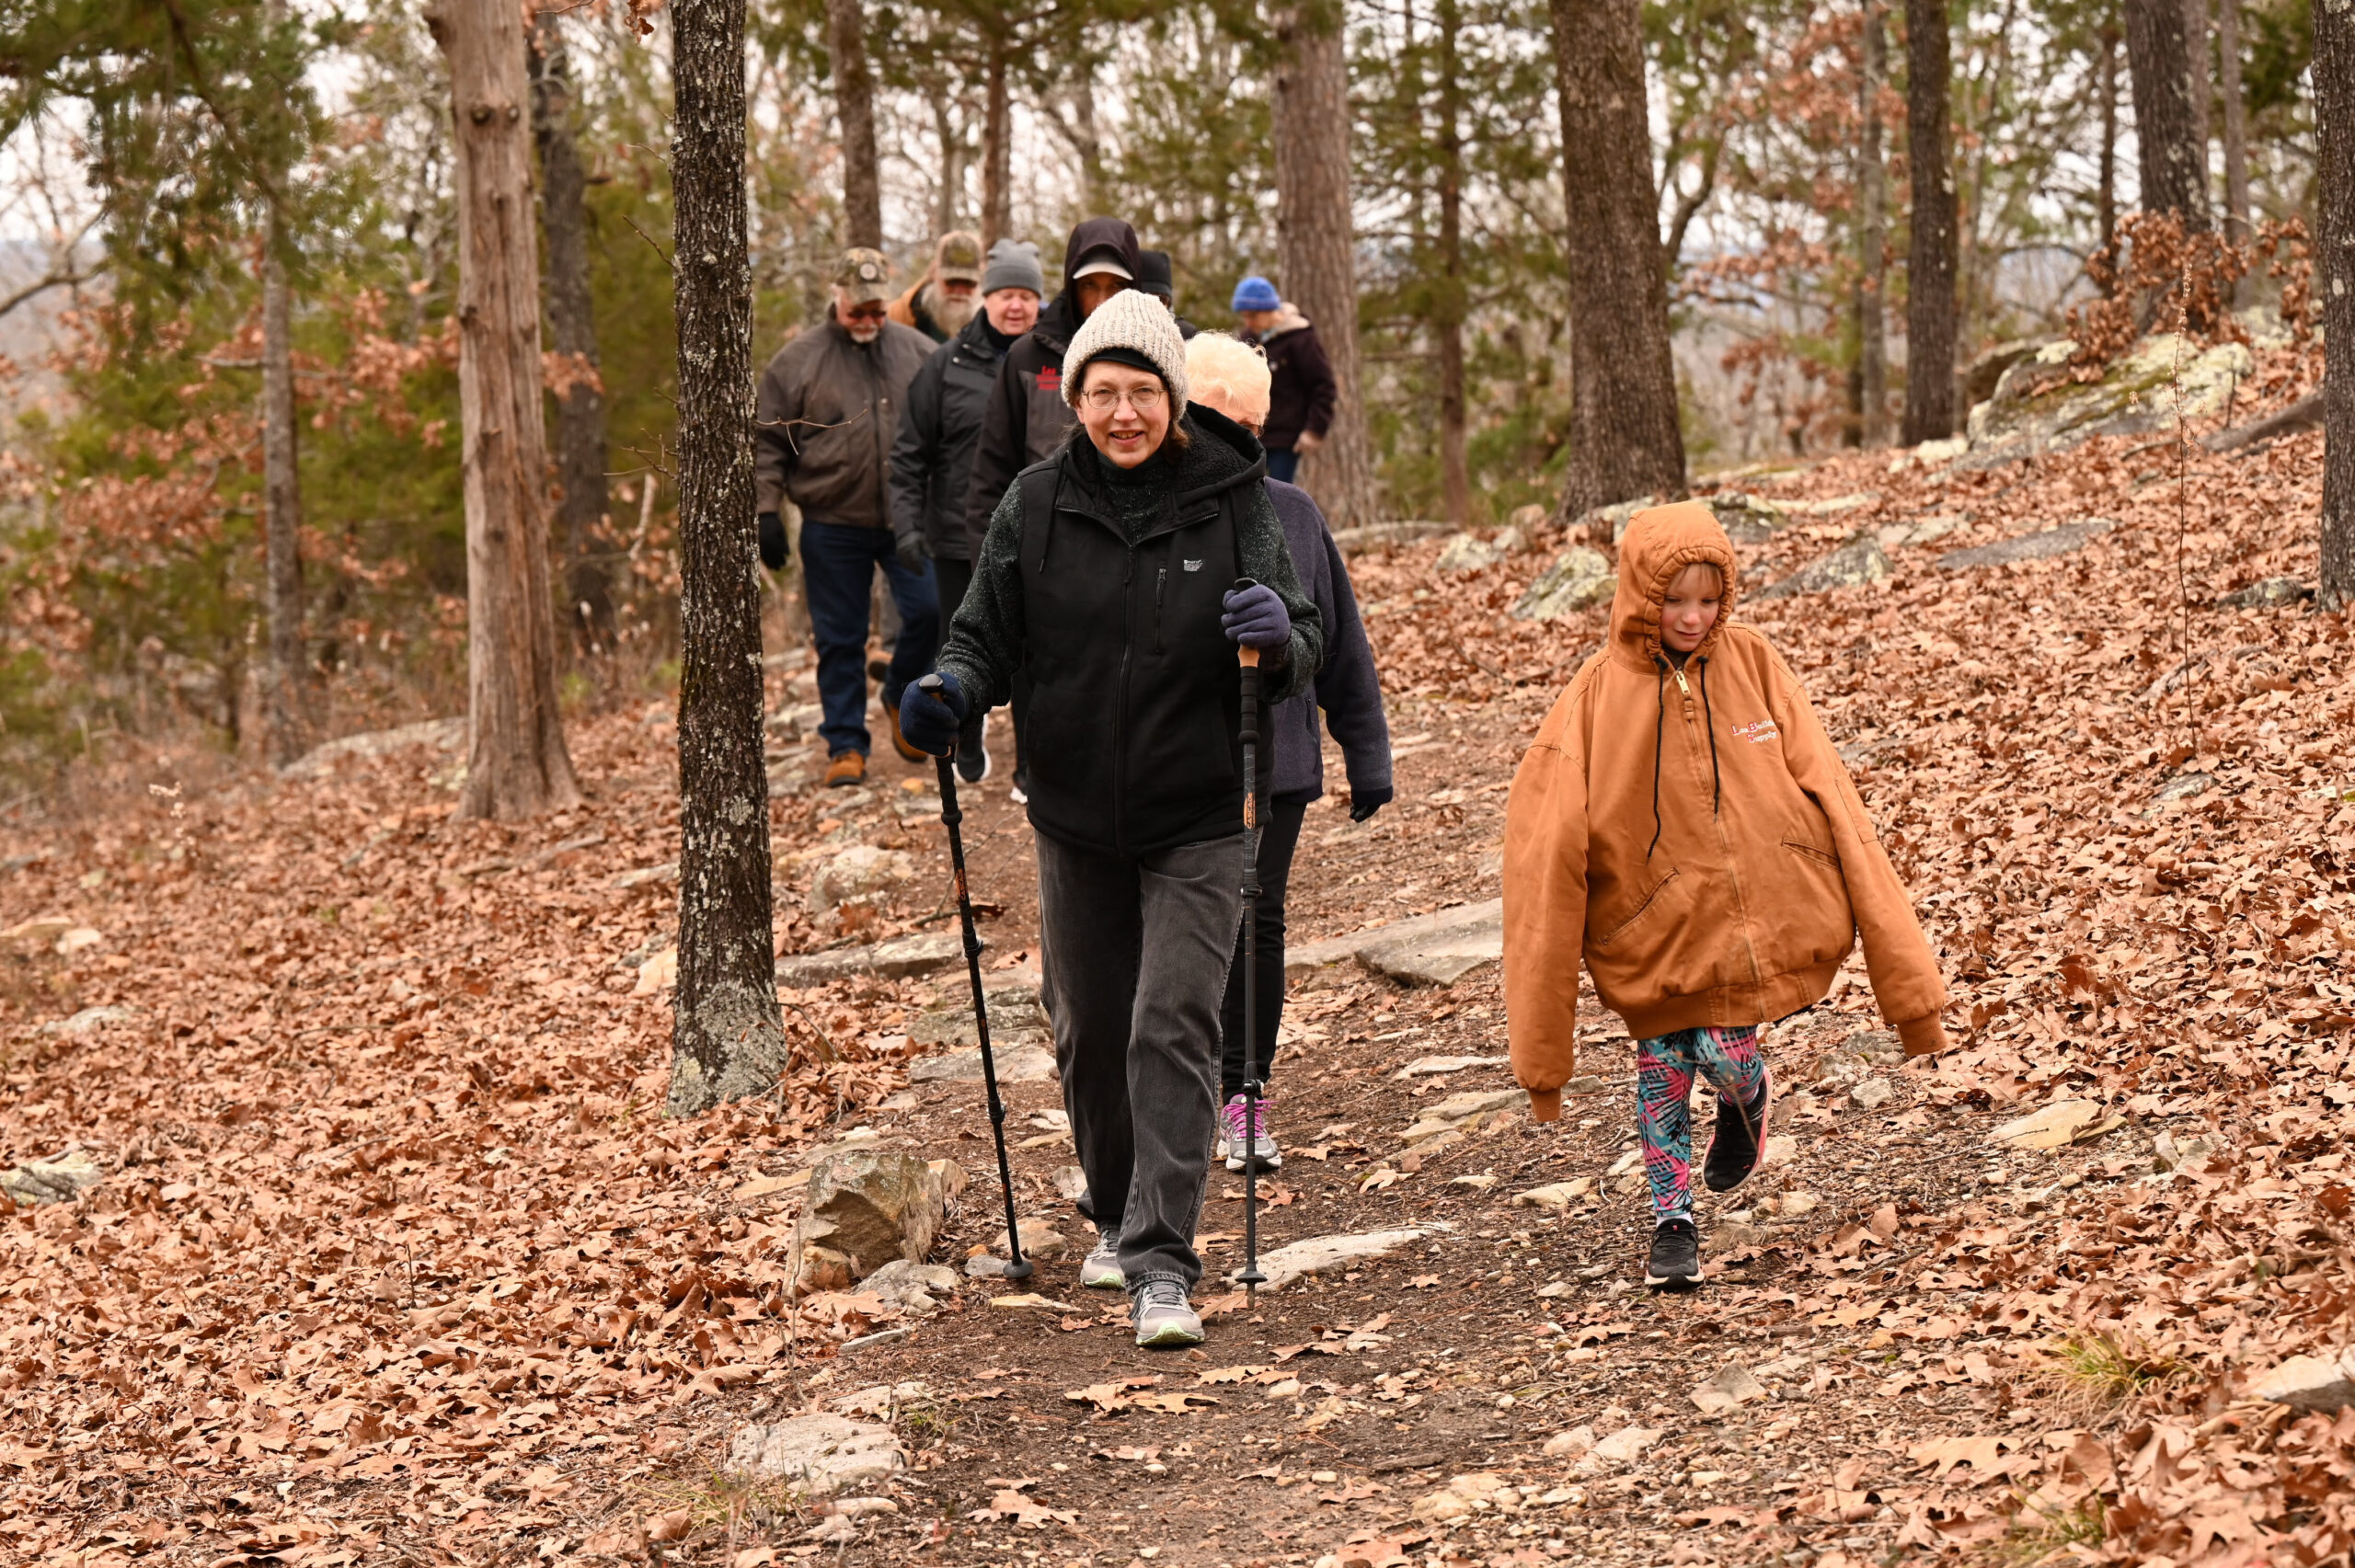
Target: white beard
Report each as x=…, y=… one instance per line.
x=950, y=313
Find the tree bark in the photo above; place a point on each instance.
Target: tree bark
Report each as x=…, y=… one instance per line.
x=2228, y=87
x=1448, y=303
x=1625, y=439
x=855, y=110
x=1872, y=240
x=950, y=196
x=998, y=158
x=283, y=719
x=582, y=536
x=1315, y=230
x=727, y=1037
x=2197, y=80
x=1931, y=325
x=516, y=763
x=2334, y=83
x=2172, y=157
x=2106, y=174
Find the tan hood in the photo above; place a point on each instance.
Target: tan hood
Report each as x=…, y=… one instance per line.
x=1659, y=542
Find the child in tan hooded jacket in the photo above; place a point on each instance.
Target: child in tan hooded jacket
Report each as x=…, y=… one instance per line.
x=1682, y=823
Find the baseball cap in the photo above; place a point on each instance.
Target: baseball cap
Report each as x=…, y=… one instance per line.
x=864, y=275
x=1104, y=259
x=959, y=257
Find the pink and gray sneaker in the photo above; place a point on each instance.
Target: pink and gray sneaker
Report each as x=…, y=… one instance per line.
x=1231, y=1133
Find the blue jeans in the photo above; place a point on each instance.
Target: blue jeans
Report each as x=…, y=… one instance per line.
x=1282, y=465
x=838, y=564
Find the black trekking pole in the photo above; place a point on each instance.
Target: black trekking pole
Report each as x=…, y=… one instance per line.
x=1250, y=1278
x=1017, y=1266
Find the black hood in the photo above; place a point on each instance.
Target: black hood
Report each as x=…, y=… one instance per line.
x=1060, y=320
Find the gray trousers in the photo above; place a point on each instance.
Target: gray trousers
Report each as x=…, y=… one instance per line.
x=1133, y=954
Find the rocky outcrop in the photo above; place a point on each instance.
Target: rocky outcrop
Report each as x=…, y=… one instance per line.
x=2039, y=406
x=863, y=1209
x=1861, y=560
x=2059, y=540
x=1578, y=578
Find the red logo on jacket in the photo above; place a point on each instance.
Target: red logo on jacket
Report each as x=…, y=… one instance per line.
x=1051, y=379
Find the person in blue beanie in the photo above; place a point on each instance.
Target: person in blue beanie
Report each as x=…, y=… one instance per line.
x=1301, y=393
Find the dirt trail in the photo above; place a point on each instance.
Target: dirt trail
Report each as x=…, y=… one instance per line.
x=390, y=1258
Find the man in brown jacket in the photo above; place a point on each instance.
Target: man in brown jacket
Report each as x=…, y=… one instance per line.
x=828, y=409
x=1683, y=825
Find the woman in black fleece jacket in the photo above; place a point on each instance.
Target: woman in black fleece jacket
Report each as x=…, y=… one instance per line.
x=1107, y=576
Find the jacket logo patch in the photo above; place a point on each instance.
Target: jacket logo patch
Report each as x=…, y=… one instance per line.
x=1758, y=733
x=1051, y=378
x=1193, y=566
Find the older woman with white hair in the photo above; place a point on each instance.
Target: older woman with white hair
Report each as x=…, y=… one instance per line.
x=1232, y=377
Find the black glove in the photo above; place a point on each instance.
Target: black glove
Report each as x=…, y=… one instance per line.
x=775, y=550
x=914, y=554
x=1364, y=803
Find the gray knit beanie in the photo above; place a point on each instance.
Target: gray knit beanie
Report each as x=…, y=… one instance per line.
x=1132, y=328
x=1014, y=264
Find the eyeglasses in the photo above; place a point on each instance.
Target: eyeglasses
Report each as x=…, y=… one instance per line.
x=1104, y=399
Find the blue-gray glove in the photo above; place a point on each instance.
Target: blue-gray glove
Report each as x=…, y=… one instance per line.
x=1364, y=803
x=1255, y=617
x=931, y=712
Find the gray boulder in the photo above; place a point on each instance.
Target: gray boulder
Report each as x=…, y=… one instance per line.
x=1017, y=1063
x=1861, y=560
x=2058, y=539
x=1467, y=553
x=53, y=1180
x=1578, y=578
x=2264, y=595
x=2039, y=406
x=863, y=1209
x=817, y=1456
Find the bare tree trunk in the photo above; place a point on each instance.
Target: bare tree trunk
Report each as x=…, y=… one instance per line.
x=727, y=1037
x=2198, y=80
x=281, y=511
x=581, y=537
x=2228, y=87
x=2105, y=179
x=1448, y=305
x=516, y=763
x=855, y=109
x=1318, y=229
x=997, y=156
x=2334, y=79
x=2172, y=156
x=1931, y=325
x=1625, y=439
x=949, y=203
x=1872, y=240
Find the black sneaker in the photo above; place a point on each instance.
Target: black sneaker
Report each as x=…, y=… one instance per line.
x=1741, y=1140
x=973, y=759
x=1676, y=1257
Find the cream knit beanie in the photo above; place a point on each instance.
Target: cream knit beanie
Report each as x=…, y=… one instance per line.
x=1130, y=327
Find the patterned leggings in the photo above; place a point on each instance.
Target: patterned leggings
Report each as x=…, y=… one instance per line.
x=1665, y=1066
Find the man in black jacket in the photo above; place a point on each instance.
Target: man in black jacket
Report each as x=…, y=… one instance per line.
x=932, y=459
x=1026, y=418
x=828, y=408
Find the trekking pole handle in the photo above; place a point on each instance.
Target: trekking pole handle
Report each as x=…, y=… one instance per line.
x=1244, y=652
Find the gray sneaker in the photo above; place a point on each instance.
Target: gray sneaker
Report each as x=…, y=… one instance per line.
x=1100, y=1270
x=1164, y=1315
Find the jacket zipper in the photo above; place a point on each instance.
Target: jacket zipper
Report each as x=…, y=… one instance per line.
x=1725, y=845
x=1120, y=710
x=1160, y=586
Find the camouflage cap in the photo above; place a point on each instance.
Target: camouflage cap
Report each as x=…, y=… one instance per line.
x=864, y=275
x=959, y=257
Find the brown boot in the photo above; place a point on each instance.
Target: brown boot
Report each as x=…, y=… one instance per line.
x=846, y=769
x=899, y=742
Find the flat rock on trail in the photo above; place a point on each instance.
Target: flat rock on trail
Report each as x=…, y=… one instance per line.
x=390, y=1257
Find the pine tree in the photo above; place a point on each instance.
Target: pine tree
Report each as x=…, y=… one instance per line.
x=1931, y=308
x=2334, y=79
